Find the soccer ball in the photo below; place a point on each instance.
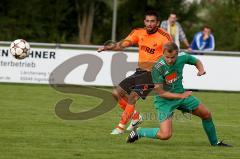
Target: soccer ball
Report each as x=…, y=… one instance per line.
x=20, y=48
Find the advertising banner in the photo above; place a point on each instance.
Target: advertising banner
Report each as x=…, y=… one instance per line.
x=87, y=67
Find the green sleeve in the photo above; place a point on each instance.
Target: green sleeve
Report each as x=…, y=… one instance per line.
x=157, y=76
x=191, y=59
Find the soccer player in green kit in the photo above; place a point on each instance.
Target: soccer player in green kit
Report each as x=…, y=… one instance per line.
x=167, y=77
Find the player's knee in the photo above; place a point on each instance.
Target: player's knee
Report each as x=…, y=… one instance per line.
x=118, y=93
x=164, y=135
x=133, y=97
x=207, y=115
x=167, y=136
x=115, y=94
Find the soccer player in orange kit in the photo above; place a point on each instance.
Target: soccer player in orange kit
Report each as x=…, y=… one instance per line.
x=150, y=41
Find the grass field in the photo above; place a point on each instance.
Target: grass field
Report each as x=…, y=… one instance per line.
x=30, y=128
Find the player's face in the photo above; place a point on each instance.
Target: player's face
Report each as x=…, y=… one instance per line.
x=170, y=57
x=151, y=23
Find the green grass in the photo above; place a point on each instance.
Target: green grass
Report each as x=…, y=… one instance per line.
x=30, y=129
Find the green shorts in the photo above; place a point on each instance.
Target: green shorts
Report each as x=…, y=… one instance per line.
x=165, y=107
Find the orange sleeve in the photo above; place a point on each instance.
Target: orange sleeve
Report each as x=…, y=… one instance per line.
x=132, y=38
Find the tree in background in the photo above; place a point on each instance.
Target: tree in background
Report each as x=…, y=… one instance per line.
x=34, y=20
x=85, y=18
x=88, y=13
x=55, y=21
x=90, y=22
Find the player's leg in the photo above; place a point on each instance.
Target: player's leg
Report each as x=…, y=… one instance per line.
x=165, y=131
x=208, y=125
x=129, y=85
x=162, y=133
x=126, y=99
x=196, y=108
x=143, y=86
x=193, y=105
x=121, y=96
x=129, y=110
x=207, y=122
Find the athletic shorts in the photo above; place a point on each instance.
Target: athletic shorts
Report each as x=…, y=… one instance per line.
x=140, y=82
x=165, y=108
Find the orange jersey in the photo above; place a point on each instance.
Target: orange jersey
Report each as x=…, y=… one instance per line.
x=150, y=46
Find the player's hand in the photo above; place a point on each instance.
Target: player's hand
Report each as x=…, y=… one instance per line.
x=200, y=73
x=186, y=94
x=101, y=49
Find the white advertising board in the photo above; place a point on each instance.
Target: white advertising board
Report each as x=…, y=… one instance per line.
x=222, y=71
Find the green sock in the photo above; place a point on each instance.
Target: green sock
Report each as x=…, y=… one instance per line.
x=210, y=131
x=148, y=132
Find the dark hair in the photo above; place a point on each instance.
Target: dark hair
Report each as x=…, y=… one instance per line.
x=170, y=47
x=152, y=13
x=206, y=26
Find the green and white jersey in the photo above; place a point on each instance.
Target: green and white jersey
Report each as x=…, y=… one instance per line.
x=171, y=76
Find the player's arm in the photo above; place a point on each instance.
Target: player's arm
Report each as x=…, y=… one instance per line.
x=130, y=40
x=197, y=63
x=199, y=66
x=166, y=94
x=115, y=46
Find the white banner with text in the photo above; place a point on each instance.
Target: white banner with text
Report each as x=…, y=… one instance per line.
x=87, y=67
